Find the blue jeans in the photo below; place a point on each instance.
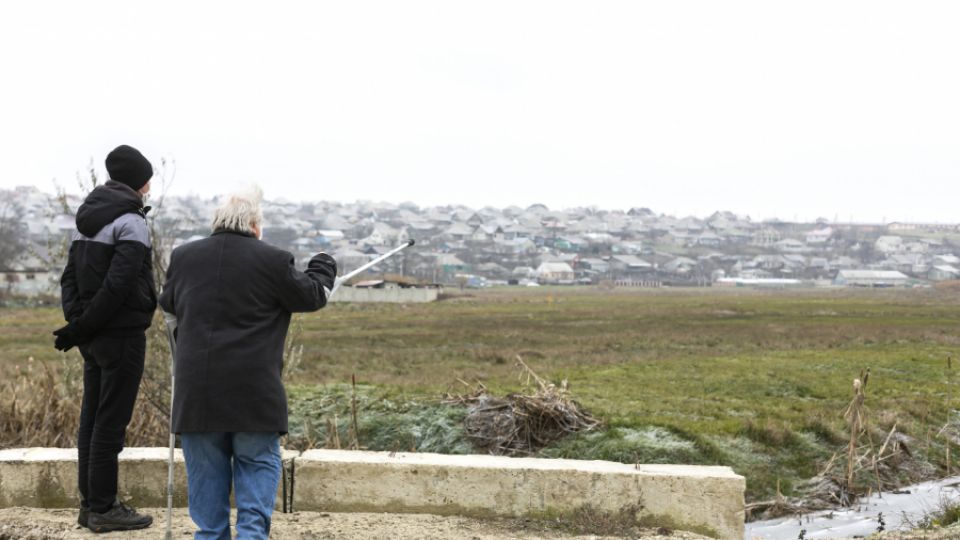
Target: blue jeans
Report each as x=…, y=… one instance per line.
x=252, y=462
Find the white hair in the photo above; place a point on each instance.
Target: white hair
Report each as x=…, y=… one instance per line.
x=240, y=212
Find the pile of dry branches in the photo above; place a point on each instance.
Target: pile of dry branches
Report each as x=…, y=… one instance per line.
x=521, y=423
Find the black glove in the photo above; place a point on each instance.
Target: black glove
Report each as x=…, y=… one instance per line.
x=69, y=336
x=325, y=268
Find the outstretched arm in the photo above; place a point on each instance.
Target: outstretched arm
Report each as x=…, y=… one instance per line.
x=308, y=290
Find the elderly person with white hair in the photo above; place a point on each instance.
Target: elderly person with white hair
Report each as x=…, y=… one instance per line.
x=232, y=296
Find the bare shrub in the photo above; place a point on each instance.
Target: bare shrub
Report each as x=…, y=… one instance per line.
x=40, y=406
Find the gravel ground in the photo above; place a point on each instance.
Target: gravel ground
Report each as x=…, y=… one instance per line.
x=59, y=524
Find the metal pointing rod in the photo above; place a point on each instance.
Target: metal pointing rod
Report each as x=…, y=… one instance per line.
x=340, y=280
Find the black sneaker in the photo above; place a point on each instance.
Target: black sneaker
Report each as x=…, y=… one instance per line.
x=84, y=516
x=120, y=517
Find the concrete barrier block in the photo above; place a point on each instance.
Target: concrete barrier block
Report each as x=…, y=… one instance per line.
x=708, y=500
x=38, y=477
x=47, y=477
x=143, y=477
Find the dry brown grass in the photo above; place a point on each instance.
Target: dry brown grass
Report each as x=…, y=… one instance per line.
x=952, y=285
x=40, y=406
x=37, y=408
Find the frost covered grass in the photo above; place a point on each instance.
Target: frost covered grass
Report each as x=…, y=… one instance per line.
x=757, y=380
x=321, y=416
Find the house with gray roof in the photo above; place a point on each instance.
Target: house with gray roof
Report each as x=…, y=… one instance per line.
x=629, y=264
x=680, y=266
x=594, y=264
x=457, y=231
x=943, y=272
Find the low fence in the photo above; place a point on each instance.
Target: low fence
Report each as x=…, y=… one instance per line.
x=640, y=283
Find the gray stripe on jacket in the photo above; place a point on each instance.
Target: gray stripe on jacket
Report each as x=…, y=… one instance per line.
x=126, y=228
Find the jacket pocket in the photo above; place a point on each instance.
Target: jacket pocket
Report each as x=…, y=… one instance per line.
x=143, y=298
x=90, y=279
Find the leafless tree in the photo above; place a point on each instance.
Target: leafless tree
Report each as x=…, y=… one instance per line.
x=12, y=232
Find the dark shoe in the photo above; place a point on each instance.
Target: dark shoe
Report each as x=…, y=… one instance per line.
x=84, y=516
x=118, y=518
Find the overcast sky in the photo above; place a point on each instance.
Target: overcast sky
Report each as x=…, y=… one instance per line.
x=845, y=110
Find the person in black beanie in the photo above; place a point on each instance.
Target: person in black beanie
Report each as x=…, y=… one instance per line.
x=108, y=300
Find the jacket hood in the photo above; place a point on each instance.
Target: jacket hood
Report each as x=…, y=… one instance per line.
x=105, y=204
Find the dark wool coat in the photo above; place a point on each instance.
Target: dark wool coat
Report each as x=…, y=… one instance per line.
x=107, y=286
x=233, y=295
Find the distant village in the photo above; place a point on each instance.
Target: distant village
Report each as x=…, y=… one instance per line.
x=513, y=246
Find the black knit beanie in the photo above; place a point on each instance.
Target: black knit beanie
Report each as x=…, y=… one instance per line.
x=125, y=164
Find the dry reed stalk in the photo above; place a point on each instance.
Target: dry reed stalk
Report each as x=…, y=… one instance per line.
x=354, y=426
x=41, y=407
x=948, y=458
x=829, y=464
x=855, y=418
x=304, y=442
x=878, y=458
x=333, y=434
x=861, y=452
x=887, y=440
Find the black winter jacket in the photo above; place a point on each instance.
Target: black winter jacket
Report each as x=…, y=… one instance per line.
x=107, y=286
x=233, y=296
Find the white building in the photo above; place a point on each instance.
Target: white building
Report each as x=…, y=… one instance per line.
x=790, y=245
x=871, y=278
x=555, y=272
x=819, y=236
x=889, y=244
x=28, y=276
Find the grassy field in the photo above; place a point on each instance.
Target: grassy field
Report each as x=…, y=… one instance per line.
x=755, y=380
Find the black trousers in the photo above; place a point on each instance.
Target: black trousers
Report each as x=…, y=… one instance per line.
x=112, y=369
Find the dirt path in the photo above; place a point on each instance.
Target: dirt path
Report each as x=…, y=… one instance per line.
x=46, y=524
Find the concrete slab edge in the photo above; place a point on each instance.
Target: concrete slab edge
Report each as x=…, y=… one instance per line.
x=707, y=500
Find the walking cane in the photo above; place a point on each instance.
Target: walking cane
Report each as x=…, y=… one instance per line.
x=171, y=323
